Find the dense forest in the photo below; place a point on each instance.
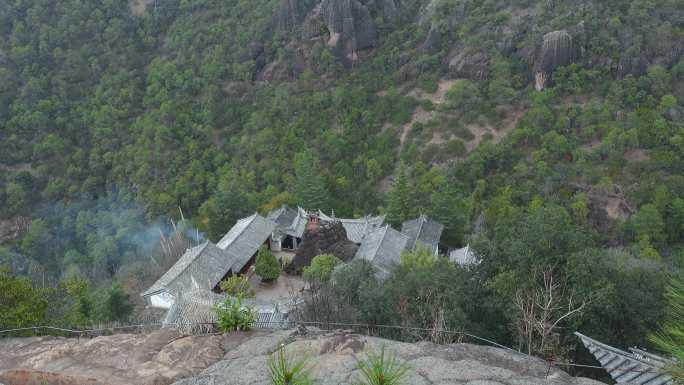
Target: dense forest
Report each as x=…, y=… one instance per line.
x=548, y=135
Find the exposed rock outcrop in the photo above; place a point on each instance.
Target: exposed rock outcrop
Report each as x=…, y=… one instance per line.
x=607, y=206
x=332, y=359
x=468, y=62
x=160, y=357
x=387, y=9
x=345, y=25
x=290, y=14
x=436, y=28
x=557, y=50
x=328, y=238
x=13, y=228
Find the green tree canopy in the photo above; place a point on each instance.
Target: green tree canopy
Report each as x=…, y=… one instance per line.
x=21, y=305
x=310, y=190
x=400, y=201
x=267, y=266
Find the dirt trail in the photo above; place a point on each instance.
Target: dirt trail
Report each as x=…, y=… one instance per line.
x=506, y=126
x=438, y=96
x=419, y=114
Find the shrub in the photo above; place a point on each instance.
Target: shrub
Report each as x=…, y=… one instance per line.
x=285, y=372
x=379, y=369
x=20, y=304
x=267, y=266
x=321, y=268
x=422, y=257
x=233, y=316
x=456, y=147
x=464, y=96
x=237, y=286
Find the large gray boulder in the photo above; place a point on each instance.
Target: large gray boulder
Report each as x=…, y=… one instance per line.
x=469, y=63
x=557, y=50
x=290, y=14
x=332, y=359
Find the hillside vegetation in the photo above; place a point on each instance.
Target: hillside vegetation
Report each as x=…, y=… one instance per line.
x=547, y=134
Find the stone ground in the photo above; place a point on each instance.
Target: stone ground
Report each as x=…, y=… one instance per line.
x=156, y=358
x=332, y=359
x=162, y=357
x=281, y=290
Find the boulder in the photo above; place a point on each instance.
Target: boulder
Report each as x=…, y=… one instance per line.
x=286, y=69
x=289, y=14
x=328, y=238
x=631, y=63
x=13, y=228
x=468, y=63
x=387, y=9
x=557, y=50
x=433, y=41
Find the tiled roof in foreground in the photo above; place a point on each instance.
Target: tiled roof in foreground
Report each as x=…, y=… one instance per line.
x=636, y=367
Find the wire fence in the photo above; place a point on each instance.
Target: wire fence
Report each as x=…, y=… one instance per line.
x=323, y=325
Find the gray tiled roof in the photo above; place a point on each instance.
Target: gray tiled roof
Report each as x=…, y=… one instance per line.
x=288, y=220
x=383, y=248
x=205, y=265
x=636, y=368
x=244, y=239
x=464, y=257
x=193, y=307
x=282, y=216
x=423, y=232
x=201, y=266
x=357, y=229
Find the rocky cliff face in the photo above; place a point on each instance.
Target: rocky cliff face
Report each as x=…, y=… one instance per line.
x=290, y=14
x=162, y=357
x=346, y=26
x=557, y=50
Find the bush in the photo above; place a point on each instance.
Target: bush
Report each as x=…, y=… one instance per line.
x=456, y=147
x=379, y=369
x=233, y=316
x=464, y=96
x=321, y=268
x=237, y=286
x=267, y=266
x=285, y=372
x=20, y=304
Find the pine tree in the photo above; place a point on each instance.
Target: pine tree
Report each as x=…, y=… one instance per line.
x=310, y=191
x=400, y=202
x=671, y=338
x=267, y=266
x=229, y=204
x=448, y=209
